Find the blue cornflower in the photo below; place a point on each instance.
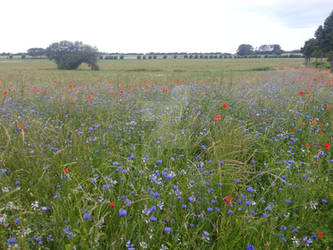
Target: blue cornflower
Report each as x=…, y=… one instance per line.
x=168, y=229
x=230, y=212
x=122, y=212
x=250, y=190
x=11, y=240
x=152, y=218
x=249, y=247
x=210, y=210
x=86, y=216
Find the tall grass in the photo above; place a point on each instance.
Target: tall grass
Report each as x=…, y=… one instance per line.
x=143, y=163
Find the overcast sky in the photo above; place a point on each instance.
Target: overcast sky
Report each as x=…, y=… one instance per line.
x=160, y=26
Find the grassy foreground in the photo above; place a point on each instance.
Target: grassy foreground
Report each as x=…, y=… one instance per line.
x=211, y=154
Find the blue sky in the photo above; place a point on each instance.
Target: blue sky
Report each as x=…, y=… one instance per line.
x=160, y=26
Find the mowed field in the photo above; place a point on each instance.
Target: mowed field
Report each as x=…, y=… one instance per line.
x=166, y=154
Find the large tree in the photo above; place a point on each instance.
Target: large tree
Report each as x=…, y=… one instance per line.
x=69, y=55
x=245, y=49
x=324, y=36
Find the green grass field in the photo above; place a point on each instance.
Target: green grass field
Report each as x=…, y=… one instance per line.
x=166, y=154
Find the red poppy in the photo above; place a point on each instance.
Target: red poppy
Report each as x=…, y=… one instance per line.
x=320, y=131
x=327, y=146
x=227, y=199
x=217, y=117
x=5, y=92
x=66, y=170
x=111, y=204
x=224, y=105
x=91, y=93
x=314, y=122
x=320, y=234
x=329, y=105
x=307, y=145
x=301, y=92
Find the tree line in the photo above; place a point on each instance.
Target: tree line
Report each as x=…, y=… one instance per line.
x=70, y=55
x=322, y=45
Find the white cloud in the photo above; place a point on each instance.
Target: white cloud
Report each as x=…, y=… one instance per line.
x=154, y=25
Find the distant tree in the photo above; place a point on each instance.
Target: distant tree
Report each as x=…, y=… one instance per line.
x=277, y=49
x=185, y=56
x=175, y=57
x=154, y=57
x=10, y=57
x=36, y=52
x=121, y=57
x=165, y=56
x=138, y=57
x=310, y=48
x=245, y=49
x=69, y=55
x=324, y=36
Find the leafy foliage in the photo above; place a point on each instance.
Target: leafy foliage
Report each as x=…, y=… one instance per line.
x=68, y=55
x=34, y=52
x=322, y=45
x=245, y=49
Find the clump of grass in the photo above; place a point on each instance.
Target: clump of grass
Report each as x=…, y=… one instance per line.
x=266, y=68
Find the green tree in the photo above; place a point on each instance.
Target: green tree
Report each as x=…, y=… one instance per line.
x=245, y=49
x=36, y=52
x=277, y=49
x=324, y=36
x=69, y=55
x=309, y=49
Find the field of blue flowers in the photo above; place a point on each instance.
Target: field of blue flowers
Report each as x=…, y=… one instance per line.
x=243, y=164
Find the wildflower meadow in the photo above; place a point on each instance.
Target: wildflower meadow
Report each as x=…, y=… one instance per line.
x=207, y=154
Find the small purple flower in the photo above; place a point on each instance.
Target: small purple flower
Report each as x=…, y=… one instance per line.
x=152, y=218
x=249, y=247
x=230, y=212
x=250, y=190
x=122, y=212
x=86, y=216
x=168, y=229
x=11, y=240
